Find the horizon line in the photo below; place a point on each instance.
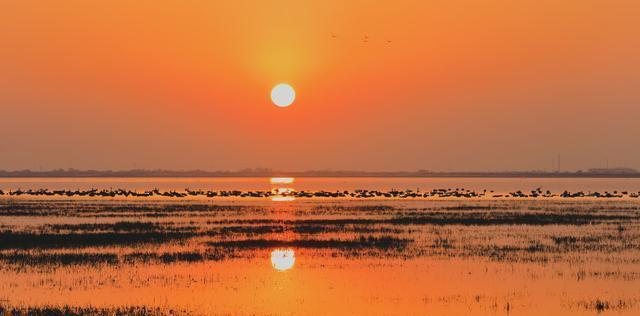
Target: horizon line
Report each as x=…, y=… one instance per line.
x=267, y=172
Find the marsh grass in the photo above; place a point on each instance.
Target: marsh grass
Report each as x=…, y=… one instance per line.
x=362, y=242
x=597, y=242
x=78, y=310
x=601, y=305
x=21, y=259
x=20, y=240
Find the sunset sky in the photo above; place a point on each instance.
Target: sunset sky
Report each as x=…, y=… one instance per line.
x=462, y=85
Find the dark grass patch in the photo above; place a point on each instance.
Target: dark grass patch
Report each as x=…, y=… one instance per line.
x=116, y=227
x=129, y=234
x=52, y=259
x=22, y=259
x=12, y=240
x=466, y=207
x=350, y=208
x=453, y=218
x=606, y=243
x=174, y=257
x=79, y=310
x=370, y=242
x=533, y=251
x=146, y=257
x=250, y=230
x=506, y=218
x=92, y=208
x=601, y=305
x=123, y=226
x=300, y=229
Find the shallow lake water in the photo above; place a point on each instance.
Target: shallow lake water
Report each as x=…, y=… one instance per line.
x=321, y=256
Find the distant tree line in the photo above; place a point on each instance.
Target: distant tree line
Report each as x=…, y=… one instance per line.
x=265, y=172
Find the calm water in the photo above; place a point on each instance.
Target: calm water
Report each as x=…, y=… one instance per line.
x=501, y=185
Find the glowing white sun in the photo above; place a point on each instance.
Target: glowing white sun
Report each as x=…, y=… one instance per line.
x=283, y=259
x=283, y=95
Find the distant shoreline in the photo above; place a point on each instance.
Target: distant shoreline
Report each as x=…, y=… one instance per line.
x=304, y=174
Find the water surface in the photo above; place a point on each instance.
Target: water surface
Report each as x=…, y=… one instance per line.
x=309, y=256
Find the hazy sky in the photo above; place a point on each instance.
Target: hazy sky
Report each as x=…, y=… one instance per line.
x=463, y=85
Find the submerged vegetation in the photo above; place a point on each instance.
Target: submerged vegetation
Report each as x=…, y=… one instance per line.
x=11, y=240
x=382, y=242
x=206, y=231
x=574, y=241
x=76, y=310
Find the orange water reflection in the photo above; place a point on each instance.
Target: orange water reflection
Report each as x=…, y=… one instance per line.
x=282, y=180
x=451, y=281
x=283, y=198
x=283, y=259
x=282, y=191
x=282, y=194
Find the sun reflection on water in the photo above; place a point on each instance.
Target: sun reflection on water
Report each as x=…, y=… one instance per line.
x=282, y=194
x=283, y=259
x=282, y=191
x=282, y=180
x=283, y=198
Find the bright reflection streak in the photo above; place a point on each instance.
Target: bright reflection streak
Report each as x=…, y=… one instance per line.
x=283, y=259
x=282, y=194
x=282, y=191
x=283, y=198
x=282, y=180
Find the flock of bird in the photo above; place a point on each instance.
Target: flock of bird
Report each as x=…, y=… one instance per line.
x=358, y=194
x=365, y=38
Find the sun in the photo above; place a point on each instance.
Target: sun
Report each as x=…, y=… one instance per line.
x=283, y=259
x=283, y=95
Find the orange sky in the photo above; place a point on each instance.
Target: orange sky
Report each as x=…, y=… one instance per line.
x=464, y=85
